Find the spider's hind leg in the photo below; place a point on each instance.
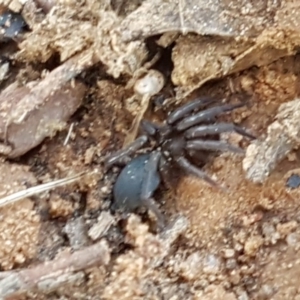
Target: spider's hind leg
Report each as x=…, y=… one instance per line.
x=195, y=171
x=213, y=146
x=149, y=128
x=216, y=129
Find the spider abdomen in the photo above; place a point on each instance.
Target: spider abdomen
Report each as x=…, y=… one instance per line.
x=128, y=187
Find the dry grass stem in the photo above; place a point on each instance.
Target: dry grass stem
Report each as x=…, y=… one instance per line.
x=39, y=189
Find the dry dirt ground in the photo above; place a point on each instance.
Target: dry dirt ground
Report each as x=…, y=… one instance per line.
x=240, y=244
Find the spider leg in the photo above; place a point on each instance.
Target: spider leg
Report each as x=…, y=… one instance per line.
x=206, y=115
x=151, y=181
x=180, y=112
x=212, y=146
x=149, y=127
x=123, y=154
x=191, y=169
x=218, y=128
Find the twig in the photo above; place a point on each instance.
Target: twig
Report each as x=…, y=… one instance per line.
x=48, y=276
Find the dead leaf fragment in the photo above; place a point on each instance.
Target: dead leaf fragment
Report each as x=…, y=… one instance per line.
x=218, y=39
x=213, y=17
x=29, y=115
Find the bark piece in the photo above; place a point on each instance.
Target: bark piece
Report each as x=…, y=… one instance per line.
x=283, y=135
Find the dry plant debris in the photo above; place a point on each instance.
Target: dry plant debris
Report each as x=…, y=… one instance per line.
x=241, y=18
x=39, y=109
x=244, y=35
x=93, y=29
x=56, y=28
x=17, y=196
x=262, y=156
x=99, y=229
x=50, y=275
x=30, y=114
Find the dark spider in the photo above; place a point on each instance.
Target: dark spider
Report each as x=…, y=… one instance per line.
x=184, y=135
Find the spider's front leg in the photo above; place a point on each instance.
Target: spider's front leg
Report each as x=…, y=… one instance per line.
x=183, y=110
x=150, y=183
x=123, y=155
x=206, y=115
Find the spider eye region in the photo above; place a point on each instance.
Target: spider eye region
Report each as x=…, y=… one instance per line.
x=174, y=146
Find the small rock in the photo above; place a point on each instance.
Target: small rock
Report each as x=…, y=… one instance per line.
x=89, y=155
x=293, y=239
x=98, y=230
x=231, y=264
x=59, y=207
x=192, y=266
x=243, y=296
x=251, y=219
x=285, y=228
x=266, y=292
x=252, y=245
x=234, y=277
x=270, y=234
x=76, y=232
x=293, y=181
x=211, y=264
x=228, y=253
x=238, y=247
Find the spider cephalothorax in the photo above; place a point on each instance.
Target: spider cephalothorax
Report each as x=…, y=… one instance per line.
x=187, y=131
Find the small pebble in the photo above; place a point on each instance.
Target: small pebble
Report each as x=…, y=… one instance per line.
x=243, y=296
x=235, y=277
x=266, y=292
x=293, y=239
x=99, y=229
x=211, y=264
x=270, y=234
x=230, y=264
x=285, y=228
x=76, y=231
x=228, y=253
x=252, y=245
x=293, y=181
